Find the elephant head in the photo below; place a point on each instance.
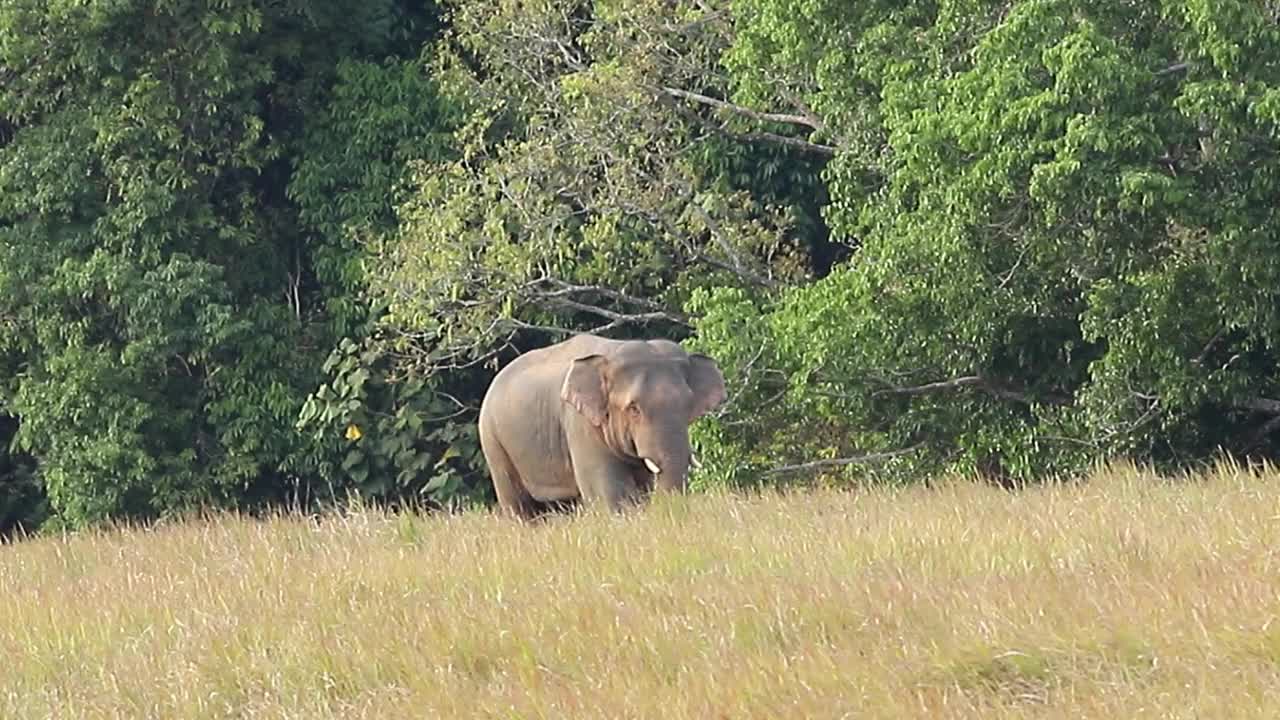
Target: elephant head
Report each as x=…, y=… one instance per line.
x=643, y=398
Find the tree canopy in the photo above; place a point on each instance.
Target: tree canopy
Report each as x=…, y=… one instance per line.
x=261, y=254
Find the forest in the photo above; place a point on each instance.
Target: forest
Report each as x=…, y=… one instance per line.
x=270, y=254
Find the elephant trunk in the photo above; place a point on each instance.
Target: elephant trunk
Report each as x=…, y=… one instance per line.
x=669, y=463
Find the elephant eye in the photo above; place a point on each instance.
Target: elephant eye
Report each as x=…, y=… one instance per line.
x=633, y=408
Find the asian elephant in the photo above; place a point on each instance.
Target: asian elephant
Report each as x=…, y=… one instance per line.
x=594, y=418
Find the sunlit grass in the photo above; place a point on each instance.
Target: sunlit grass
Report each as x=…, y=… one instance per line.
x=1126, y=596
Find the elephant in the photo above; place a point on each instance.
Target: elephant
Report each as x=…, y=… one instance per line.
x=596, y=419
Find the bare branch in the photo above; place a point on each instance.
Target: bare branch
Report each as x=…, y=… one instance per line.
x=841, y=462
x=566, y=288
x=522, y=325
x=1208, y=347
x=436, y=356
x=798, y=143
x=1154, y=411
x=561, y=296
x=461, y=405
x=623, y=318
x=441, y=418
x=759, y=136
x=970, y=381
x=805, y=110
x=1260, y=404
x=754, y=278
x=787, y=118
x=1004, y=282
x=960, y=382
x=1176, y=67
x=717, y=234
x=709, y=17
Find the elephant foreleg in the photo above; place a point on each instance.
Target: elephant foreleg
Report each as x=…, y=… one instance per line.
x=608, y=484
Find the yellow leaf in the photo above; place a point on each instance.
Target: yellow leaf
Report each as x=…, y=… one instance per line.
x=353, y=432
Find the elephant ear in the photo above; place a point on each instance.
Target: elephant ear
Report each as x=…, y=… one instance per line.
x=707, y=383
x=584, y=388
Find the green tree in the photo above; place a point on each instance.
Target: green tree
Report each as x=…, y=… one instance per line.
x=253, y=253
x=385, y=431
x=160, y=300
x=604, y=174
x=1067, y=248
x=602, y=177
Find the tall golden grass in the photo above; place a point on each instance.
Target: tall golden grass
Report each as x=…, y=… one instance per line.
x=1124, y=596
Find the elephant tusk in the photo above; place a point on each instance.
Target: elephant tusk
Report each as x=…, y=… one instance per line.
x=653, y=467
x=693, y=460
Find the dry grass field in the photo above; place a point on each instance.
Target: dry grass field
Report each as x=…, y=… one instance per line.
x=1122, y=597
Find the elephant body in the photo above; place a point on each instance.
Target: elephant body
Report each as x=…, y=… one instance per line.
x=594, y=418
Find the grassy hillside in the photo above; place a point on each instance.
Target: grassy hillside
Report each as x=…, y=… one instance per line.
x=1122, y=597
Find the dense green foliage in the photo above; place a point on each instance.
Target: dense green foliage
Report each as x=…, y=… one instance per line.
x=1067, y=244
x=173, y=269
x=260, y=254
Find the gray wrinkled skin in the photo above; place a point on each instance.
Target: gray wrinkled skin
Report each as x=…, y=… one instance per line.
x=593, y=418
